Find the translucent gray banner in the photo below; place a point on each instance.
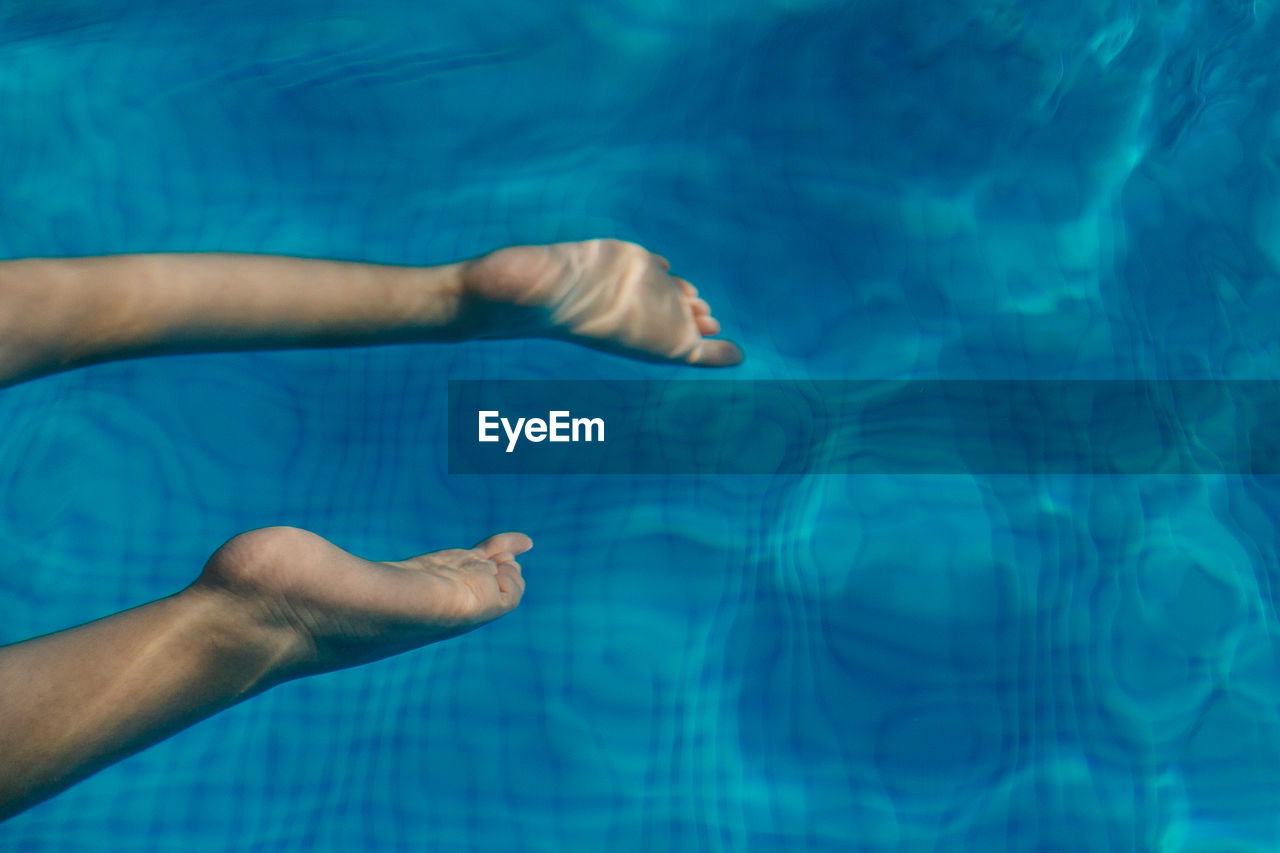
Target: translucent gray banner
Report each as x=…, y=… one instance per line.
x=865, y=427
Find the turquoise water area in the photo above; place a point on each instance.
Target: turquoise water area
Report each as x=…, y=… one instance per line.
x=864, y=190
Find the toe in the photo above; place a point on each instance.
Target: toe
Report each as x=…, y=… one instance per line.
x=707, y=324
x=503, y=543
x=686, y=288
x=699, y=306
x=504, y=557
x=510, y=583
x=716, y=354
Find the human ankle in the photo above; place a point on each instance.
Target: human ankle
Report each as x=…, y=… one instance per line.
x=243, y=638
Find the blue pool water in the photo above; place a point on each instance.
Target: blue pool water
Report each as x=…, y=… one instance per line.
x=864, y=190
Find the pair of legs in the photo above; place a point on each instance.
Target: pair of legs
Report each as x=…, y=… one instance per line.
x=277, y=603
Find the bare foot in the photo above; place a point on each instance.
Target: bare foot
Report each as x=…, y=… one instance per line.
x=606, y=294
x=337, y=610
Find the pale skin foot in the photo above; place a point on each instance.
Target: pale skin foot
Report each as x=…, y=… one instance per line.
x=271, y=605
x=59, y=313
x=345, y=610
x=606, y=294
